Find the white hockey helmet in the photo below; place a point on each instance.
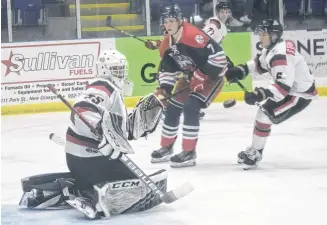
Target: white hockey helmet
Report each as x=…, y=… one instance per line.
x=112, y=65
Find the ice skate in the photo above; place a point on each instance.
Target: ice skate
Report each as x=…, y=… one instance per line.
x=86, y=206
x=183, y=159
x=32, y=198
x=250, y=158
x=241, y=156
x=163, y=154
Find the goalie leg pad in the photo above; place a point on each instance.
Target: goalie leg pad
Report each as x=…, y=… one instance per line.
x=129, y=196
x=47, y=191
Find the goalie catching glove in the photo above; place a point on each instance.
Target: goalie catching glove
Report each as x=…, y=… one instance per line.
x=145, y=117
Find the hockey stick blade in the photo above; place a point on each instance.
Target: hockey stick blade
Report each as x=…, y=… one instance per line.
x=168, y=197
x=57, y=139
x=178, y=192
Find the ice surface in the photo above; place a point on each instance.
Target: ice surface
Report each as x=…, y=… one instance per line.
x=289, y=188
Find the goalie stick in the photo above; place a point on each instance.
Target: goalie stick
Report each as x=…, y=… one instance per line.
x=167, y=197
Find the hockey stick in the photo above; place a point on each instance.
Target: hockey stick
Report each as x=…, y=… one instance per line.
x=176, y=93
x=108, y=23
x=167, y=197
x=272, y=119
x=167, y=98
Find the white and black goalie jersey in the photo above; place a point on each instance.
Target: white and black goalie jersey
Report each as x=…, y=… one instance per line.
x=100, y=95
x=291, y=74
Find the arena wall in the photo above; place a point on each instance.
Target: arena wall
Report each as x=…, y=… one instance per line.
x=69, y=65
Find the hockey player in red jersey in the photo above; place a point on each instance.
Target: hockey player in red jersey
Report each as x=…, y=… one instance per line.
x=292, y=90
x=162, y=46
x=188, y=50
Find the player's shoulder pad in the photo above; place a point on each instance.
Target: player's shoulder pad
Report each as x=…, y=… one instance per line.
x=216, y=22
x=102, y=85
x=193, y=36
x=278, y=55
x=286, y=47
x=290, y=47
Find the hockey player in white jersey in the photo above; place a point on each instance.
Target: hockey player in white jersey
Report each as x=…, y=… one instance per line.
x=291, y=91
x=100, y=183
x=215, y=26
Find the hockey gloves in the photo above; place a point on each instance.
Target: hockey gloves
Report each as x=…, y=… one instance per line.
x=237, y=73
x=161, y=93
x=106, y=150
x=152, y=44
x=198, y=80
x=258, y=95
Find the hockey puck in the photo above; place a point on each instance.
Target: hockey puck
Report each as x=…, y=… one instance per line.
x=229, y=103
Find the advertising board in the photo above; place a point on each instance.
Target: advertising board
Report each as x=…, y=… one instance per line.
x=28, y=67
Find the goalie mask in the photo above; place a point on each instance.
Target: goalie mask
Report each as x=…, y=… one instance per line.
x=112, y=65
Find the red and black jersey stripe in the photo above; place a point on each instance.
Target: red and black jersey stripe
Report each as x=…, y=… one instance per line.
x=282, y=88
x=278, y=60
x=102, y=86
x=262, y=129
x=81, y=107
x=77, y=139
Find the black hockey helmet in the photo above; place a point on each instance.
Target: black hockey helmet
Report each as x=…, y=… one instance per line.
x=172, y=11
x=272, y=27
x=222, y=5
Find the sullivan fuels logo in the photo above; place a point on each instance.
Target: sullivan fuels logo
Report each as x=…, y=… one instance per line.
x=49, y=61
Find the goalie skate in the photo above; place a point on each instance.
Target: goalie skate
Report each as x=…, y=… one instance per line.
x=183, y=159
x=163, y=154
x=86, y=206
